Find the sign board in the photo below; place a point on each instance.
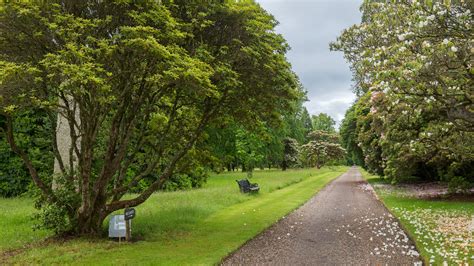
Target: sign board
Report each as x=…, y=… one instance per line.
x=129, y=213
x=117, y=226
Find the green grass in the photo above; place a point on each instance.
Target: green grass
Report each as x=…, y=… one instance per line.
x=439, y=228
x=16, y=223
x=189, y=227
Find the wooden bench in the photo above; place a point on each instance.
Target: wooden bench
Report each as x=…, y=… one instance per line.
x=247, y=187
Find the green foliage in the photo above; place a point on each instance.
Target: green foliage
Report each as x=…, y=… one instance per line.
x=32, y=134
x=458, y=184
x=322, y=149
x=323, y=122
x=57, y=216
x=301, y=127
x=412, y=63
x=270, y=139
x=348, y=133
x=291, y=153
x=196, y=179
x=249, y=150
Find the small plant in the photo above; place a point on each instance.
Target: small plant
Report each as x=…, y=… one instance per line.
x=458, y=184
x=57, y=216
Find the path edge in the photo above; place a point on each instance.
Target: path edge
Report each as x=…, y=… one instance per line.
x=409, y=234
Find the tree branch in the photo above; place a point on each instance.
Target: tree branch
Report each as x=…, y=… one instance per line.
x=46, y=190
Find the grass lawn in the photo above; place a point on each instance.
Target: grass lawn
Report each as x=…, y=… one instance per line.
x=443, y=230
x=188, y=227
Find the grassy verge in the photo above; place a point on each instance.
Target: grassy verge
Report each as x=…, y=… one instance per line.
x=442, y=230
x=191, y=227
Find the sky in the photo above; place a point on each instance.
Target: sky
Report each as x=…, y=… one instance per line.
x=309, y=26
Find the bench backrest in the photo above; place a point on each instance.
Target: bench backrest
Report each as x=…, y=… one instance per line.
x=244, y=184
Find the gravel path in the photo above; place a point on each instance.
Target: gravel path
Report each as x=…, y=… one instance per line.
x=343, y=224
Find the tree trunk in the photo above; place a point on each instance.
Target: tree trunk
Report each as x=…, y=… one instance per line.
x=90, y=224
x=65, y=142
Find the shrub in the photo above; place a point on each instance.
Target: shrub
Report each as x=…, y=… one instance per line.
x=458, y=184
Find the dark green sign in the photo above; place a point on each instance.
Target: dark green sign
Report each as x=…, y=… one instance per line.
x=129, y=213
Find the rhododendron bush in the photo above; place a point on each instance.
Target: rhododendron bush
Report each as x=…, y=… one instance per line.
x=413, y=70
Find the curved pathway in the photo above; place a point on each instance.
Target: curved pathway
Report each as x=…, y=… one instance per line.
x=343, y=224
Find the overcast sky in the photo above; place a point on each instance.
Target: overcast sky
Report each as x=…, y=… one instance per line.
x=309, y=26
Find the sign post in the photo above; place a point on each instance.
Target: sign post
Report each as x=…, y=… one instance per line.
x=129, y=215
x=128, y=234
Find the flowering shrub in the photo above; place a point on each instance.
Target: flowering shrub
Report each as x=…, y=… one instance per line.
x=322, y=148
x=413, y=67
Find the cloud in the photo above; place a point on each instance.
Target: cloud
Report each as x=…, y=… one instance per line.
x=309, y=26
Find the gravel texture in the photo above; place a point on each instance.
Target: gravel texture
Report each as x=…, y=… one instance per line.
x=343, y=224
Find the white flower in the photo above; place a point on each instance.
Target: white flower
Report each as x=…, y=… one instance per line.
x=402, y=49
x=401, y=37
x=426, y=44
x=445, y=41
x=432, y=17
x=454, y=49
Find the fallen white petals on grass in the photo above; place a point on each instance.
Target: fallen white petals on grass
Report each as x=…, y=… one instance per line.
x=444, y=235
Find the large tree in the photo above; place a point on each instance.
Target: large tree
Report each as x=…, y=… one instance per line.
x=322, y=148
x=138, y=83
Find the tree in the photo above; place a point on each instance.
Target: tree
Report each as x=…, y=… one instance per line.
x=295, y=123
x=146, y=79
x=249, y=150
x=221, y=140
x=323, y=122
x=322, y=148
x=307, y=123
x=290, y=153
x=348, y=133
x=413, y=63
